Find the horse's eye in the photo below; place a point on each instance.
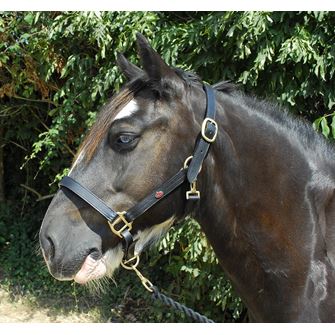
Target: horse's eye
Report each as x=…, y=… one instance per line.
x=124, y=142
x=126, y=139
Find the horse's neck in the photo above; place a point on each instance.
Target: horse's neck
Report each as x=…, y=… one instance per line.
x=250, y=214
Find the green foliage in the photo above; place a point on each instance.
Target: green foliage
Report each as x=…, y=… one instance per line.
x=5, y=215
x=24, y=273
x=20, y=250
x=58, y=68
x=193, y=275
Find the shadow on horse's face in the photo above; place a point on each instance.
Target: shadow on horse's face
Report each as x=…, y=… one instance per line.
x=133, y=147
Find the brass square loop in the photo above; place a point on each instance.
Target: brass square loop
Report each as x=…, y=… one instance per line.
x=120, y=219
x=192, y=195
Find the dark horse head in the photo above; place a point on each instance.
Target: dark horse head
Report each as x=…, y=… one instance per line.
x=267, y=191
x=140, y=139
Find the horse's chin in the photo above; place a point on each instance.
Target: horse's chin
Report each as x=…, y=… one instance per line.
x=93, y=269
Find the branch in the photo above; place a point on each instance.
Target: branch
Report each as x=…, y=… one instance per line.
x=39, y=196
x=45, y=197
x=47, y=128
x=18, y=145
x=69, y=150
x=41, y=121
x=35, y=100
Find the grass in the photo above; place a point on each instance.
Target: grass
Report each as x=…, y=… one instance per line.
x=28, y=289
x=183, y=267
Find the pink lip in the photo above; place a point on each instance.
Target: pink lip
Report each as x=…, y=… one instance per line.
x=91, y=269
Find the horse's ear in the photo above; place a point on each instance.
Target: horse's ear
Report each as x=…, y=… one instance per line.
x=130, y=70
x=153, y=64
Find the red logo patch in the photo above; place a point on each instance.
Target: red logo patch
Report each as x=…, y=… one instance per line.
x=159, y=194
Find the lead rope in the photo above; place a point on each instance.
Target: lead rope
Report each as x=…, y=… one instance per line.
x=180, y=307
x=132, y=263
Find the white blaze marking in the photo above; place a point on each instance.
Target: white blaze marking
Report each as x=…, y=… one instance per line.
x=128, y=110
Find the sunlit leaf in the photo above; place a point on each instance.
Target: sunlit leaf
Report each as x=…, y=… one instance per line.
x=324, y=127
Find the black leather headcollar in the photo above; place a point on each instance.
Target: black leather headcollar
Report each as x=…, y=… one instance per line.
x=121, y=222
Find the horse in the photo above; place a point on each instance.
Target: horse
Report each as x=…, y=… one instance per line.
x=263, y=192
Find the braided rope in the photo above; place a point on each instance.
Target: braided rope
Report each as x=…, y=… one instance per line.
x=180, y=307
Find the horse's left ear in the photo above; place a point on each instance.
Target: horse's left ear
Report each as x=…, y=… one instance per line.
x=152, y=63
x=130, y=70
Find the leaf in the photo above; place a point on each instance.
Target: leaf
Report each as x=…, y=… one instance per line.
x=332, y=126
x=103, y=51
x=316, y=124
x=269, y=18
x=231, y=31
x=29, y=18
x=324, y=127
x=331, y=103
x=37, y=16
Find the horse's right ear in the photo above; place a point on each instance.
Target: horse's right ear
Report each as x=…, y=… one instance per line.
x=153, y=64
x=130, y=70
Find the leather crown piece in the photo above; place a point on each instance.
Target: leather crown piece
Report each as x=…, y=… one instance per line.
x=121, y=223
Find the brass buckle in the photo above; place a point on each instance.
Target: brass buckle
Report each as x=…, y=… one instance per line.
x=203, y=129
x=193, y=193
x=119, y=219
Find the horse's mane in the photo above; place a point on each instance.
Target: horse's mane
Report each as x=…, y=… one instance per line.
x=225, y=86
x=294, y=126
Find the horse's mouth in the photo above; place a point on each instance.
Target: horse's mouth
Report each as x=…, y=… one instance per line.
x=95, y=268
x=91, y=269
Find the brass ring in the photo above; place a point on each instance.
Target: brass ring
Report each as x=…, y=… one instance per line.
x=136, y=258
x=187, y=160
x=186, y=163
